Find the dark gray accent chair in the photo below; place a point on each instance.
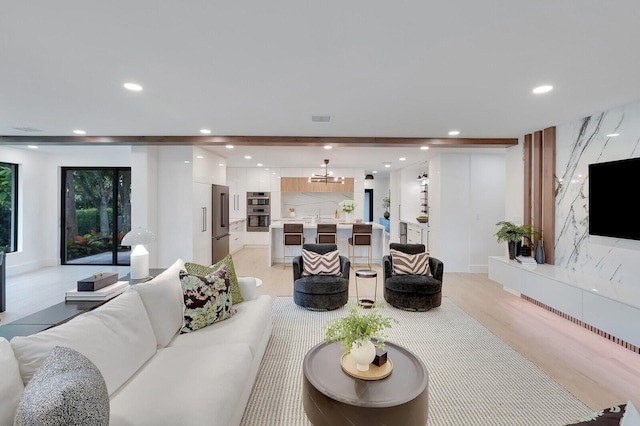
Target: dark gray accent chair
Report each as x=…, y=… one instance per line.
x=320, y=292
x=413, y=292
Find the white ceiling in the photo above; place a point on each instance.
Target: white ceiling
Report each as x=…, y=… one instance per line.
x=413, y=68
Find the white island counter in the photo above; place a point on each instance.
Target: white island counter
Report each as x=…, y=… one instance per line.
x=276, y=247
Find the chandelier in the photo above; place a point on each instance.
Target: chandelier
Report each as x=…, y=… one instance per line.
x=327, y=177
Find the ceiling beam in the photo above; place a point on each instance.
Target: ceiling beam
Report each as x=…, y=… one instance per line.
x=261, y=141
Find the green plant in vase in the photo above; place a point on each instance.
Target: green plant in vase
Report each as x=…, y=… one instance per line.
x=513, y=235
x=355, y=331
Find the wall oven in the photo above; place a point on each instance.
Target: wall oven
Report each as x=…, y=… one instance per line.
x=258, y=211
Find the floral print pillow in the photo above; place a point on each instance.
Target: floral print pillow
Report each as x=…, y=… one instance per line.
x=207, y=299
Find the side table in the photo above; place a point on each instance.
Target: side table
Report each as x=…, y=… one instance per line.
x=367, y=273
x=332, y=398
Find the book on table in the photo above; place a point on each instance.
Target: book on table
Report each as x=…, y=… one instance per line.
x=526, y=260
x=104, y=294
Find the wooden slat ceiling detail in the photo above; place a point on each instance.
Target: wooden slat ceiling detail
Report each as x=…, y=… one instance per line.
x=262, y=141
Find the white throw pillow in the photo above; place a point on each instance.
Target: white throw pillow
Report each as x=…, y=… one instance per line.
x=162, y=298
x=248, y=288
x=11, y=386
x=631, y=416
x=117, y=337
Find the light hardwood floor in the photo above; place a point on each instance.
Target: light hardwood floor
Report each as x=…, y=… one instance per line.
x=597, y=371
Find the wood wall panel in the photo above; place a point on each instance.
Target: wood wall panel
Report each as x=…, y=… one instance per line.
x=527, y=154
x=549, y=193
x=537, y=181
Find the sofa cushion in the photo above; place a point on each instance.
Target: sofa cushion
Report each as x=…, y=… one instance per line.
x=194, y=268
x=320, y=264
x=67, y=389
x=206, y=299
x=162, y=298
x=321, y=284
x=117, y=337
x=404, y=263
x=11, y=385
x=248, y=325
x=413, y=284
x=210, y=377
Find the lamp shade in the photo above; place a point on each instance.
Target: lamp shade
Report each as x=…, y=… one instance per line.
x=138, y=236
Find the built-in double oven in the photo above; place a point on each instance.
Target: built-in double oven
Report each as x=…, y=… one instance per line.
x=258, y=211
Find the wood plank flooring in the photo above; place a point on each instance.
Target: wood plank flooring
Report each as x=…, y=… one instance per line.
x=597, y=371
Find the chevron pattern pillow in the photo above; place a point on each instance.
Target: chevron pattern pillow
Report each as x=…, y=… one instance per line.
x=320, y=264
x=403, y=263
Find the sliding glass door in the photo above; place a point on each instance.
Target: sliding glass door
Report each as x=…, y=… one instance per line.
x=96, y=214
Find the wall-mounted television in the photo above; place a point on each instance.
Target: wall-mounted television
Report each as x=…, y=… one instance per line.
x=613, y=199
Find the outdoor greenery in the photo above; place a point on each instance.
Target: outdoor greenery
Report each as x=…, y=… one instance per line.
x=6, y=206
x=357, y=325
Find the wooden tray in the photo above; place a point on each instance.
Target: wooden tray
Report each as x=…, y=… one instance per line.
x=374, y=373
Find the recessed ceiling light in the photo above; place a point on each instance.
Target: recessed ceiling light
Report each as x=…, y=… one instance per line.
x=133, y=86
x=454, y=133
x=79, y=132
x=259, y=164
x=221, y=164
x=387, y=165
x=328, y=147
x=229, y=146
x=374, y=171
x=199, y=156
x=247, y=157
x=205, y=131
x=424, y=148
x=32, y=147
x=611, y=135
x=186, y=161
x=542, y=89
x=402, y=159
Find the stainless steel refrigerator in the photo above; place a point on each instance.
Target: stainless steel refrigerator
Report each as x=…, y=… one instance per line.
x=220, y=225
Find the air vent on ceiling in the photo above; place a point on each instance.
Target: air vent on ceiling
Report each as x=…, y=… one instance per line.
x=321, y=118
x=27, y=129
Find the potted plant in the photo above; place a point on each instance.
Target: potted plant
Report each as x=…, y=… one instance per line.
x=513, y=234
x=386, y=203
x=355, y=331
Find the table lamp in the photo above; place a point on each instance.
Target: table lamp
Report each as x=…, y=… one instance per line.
x=139, y=254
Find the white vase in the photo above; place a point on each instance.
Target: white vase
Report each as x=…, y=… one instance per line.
x=348, y=217
x=292, y=214
x=363, y=352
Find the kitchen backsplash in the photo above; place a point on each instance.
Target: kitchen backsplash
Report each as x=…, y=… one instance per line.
x=324, y=204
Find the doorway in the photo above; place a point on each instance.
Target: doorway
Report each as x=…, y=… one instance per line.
x=368, y=205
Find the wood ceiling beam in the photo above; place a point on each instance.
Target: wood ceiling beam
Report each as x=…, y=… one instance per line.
x=262, y=141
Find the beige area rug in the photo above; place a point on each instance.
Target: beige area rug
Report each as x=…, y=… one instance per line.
x=474, y=377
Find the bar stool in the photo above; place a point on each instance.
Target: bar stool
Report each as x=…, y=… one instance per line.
x=292, y=236
x=361, y=236
x=327, y=233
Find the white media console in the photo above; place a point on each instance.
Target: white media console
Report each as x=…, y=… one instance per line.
x=609, y=309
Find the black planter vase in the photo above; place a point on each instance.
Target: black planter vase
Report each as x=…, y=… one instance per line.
x=386, y=215
x=514, y=249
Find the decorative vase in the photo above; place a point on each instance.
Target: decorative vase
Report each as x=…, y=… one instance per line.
x=363, y=352
x=386, y=215
x=292, y=214
x=539, y=252
x=348, y=217
x=514, y=249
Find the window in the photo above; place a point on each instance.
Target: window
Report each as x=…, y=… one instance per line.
x=96, y=214
x=8, y=207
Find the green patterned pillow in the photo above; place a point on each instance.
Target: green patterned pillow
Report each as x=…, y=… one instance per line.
x=206, y=299
x=194, y=268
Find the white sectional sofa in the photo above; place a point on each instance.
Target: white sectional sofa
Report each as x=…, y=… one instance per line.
x=153, y=374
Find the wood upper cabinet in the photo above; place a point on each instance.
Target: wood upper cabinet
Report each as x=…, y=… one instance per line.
x=300, y=184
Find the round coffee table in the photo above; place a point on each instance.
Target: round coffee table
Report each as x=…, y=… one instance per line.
x=331, y=397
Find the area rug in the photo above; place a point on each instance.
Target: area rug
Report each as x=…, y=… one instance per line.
x=474, y=377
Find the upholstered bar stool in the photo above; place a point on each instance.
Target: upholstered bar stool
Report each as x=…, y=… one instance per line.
x=327, y=233
x=361, y=237
x=293, y=235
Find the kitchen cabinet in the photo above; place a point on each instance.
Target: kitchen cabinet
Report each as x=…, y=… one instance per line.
x=237, y=182
x=201, y=223
x=417, y=234
x=258, y=180
x=236, y=238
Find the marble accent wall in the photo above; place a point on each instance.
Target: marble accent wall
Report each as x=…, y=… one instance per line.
x=578, y=144
x=314, y=203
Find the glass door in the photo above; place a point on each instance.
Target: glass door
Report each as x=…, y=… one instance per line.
x=96, y=214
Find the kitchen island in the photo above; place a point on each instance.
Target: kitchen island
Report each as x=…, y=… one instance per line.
x=276, y=247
